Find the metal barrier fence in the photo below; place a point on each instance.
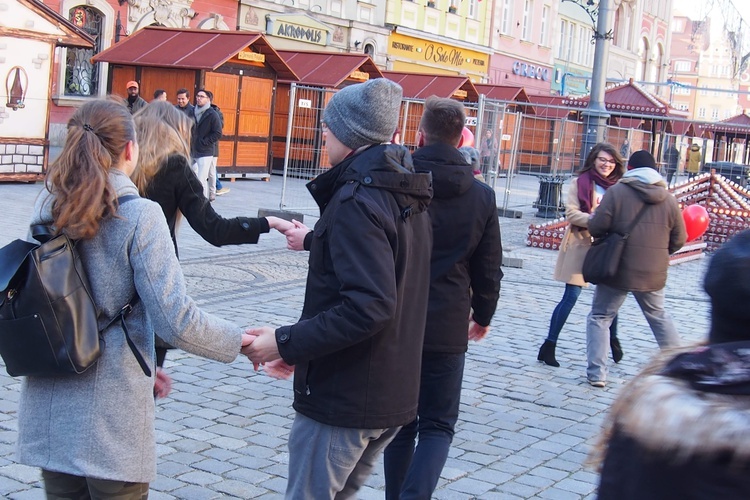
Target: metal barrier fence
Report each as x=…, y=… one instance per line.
x=536, y=146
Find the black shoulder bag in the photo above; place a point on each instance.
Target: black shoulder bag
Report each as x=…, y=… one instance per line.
x=603, y=258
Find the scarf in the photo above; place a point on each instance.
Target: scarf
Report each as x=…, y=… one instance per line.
x=199, y=110
x=586, y=183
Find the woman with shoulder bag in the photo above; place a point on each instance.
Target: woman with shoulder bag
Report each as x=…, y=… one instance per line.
x=93, y=433
x=603, y=168
x=164, y=175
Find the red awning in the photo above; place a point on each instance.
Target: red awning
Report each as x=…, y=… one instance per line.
x=421, y=86
x=628, y=98
x=328, y=69
x=502, y=92
x=738, y=125
x=190, y=49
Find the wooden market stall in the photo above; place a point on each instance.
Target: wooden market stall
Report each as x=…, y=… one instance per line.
x=239, y=67
x=320, y=75
x=30, y=33
x=731, y=139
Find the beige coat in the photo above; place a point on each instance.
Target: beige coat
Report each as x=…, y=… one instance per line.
x=576, y=240
x=694, y=158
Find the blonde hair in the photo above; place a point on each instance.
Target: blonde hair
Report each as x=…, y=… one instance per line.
x=98, y=133
x=163, y=130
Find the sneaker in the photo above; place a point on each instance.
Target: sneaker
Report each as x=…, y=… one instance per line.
x=222, y=191
x=597, y=383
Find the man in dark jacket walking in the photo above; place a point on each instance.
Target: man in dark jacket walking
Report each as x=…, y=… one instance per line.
x=357, y=347
x=206, y=134
x=464, y=278
x=643, y=268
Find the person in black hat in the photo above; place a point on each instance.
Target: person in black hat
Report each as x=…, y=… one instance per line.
x=357, y=348
x=660, y=231
x=681, y=428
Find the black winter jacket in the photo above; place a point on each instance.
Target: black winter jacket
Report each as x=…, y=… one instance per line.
x=659, y=233
x=175, y=187
x=357, y=346
x=206, y=133
x=466, y=250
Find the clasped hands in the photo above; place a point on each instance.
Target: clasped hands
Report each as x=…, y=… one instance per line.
x=295, y=231
x=259, y=345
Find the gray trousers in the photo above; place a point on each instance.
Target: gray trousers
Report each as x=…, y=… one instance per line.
x=606, y=303
x=61, y=486
x=331, y=462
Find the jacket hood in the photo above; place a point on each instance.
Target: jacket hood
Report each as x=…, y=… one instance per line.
x=451, y=173
x=382, y=166
x=665, y=415
x=695, y=147
x=648, y=183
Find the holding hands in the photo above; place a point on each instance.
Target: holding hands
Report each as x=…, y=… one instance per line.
x=295, y=237
x=279, y=224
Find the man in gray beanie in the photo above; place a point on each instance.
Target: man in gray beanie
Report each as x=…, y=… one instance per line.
x=638, y=204
x=357, y=347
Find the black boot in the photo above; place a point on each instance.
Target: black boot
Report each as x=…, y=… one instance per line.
x=614, y=344
x=547, y=353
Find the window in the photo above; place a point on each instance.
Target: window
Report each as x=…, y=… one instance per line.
x=714, y=113
x=505, y=26
x=526, y=26
x=472, y=9
x=561, y=53
x=581, y=52
x=543, y=27
x=81, y=76
x=682, y=66
x=702, y=113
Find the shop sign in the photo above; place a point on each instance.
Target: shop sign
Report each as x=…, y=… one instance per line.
x=360, y=76
x=249, y=55
x=471, y=121
x=530, y=71
x=461, y=94
x=437, y=53
x=302, y=33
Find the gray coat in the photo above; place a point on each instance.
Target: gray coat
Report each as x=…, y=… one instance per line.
x=101, y=423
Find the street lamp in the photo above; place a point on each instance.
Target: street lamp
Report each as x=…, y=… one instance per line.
x=595, y=115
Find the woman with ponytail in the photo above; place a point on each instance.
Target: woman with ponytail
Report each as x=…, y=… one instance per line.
x=602, y=169
x=93, y=434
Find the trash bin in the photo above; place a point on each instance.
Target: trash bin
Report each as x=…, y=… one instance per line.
x=550, y=205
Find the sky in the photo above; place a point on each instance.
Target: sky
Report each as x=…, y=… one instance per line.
x=697, y=8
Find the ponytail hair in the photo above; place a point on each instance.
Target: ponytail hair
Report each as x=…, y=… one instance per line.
x=79, y=178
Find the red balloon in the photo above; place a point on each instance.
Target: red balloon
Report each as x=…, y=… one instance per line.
x=696, y=221
x=467, y=138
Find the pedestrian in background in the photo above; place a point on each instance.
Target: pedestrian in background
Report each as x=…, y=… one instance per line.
x=465, y=279
x=357, y=347
x=601, y=170
x=487, y=152
x=93, y=433
x=206, y=135
x=681, y=428
x=643, y=267
x=134, y=101
x=672, y=160
x=183, y=103
x=694, y=160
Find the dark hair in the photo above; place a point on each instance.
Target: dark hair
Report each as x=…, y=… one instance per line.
x=158, y=93
x=442, y=121
x=610, y=150
x=210, y=95
x=202, y=90
x=79, y=178
x=183, y=91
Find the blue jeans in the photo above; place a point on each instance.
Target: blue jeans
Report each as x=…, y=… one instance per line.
x=604, y=307
x=414, y=472
x=327, y=462
x=562, y=311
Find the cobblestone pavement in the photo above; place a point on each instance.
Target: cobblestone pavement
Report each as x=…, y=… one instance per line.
x=525, y=429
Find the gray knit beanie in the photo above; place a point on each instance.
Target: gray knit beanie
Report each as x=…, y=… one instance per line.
x=365, y=113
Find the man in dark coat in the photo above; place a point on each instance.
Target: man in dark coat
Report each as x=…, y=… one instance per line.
x=134, y=101
x=464, y=279
x=681, y=428
x=643, y=268
x=672, y=159
x=357, y=347
x=206, y=134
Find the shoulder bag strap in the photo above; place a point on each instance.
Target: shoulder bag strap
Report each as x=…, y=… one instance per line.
x=635, y=221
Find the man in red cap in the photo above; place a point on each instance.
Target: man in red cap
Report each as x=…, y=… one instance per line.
x=134, y=102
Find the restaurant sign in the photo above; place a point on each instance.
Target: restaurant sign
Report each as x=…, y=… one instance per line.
x=296, y=27
x=444, y=55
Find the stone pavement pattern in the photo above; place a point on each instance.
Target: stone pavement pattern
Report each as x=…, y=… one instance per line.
x=524, y=431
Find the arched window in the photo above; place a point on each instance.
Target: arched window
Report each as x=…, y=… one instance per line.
x=81, y=76
x=369, y=50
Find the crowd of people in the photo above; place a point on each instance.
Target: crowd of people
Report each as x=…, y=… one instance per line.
x=404, y=270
